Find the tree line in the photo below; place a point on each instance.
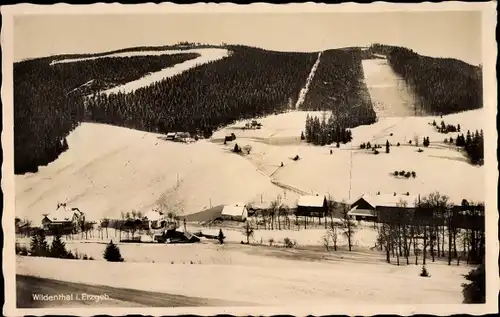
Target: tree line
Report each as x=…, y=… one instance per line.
x=442, y=85
x=473, y=144
x=435, y=228
x=48, y=104
x=338, y=86
x=323, y=132
x=249, y=83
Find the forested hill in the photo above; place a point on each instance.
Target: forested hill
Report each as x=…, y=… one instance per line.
x=48, y=100
x=442, y=85
x=49, y=103
x=338, y=86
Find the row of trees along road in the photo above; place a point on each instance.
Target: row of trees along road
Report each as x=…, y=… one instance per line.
x=435, y=228
x=338, y=86
x=48, y=100
x=441, y=85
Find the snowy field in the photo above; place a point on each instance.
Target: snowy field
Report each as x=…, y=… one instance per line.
x=206, y=55
x=266, y=280
x=104, y=176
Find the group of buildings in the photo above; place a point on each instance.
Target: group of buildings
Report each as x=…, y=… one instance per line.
x=365, y=207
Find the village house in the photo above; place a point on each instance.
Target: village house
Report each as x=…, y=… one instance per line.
x=63, y=219
x=154, y=219
x=235, y=212
x=312, y=206
x=371, y=207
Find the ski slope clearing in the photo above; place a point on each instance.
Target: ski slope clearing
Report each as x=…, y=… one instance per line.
x=388, y=91
x=298, y=282
x=206, y=55
x=303, y=92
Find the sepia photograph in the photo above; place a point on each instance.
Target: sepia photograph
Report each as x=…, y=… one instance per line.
x=242, y=158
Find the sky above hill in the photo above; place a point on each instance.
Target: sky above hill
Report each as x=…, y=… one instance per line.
x=455, y=34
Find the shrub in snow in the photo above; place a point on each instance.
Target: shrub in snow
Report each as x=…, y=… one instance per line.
x=112, y=253
x=413, y=174
x=376, y=152
x=289, y=243
x=420, y=150
x=296, y=158
x=401, y=173
x=236, y=149
x=271, y=241
x=396, y=173
x=368, y=145
x=408, y=174
x=398, y=144
x=424, y=272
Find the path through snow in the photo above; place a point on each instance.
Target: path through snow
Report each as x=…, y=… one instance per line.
x=303, y=92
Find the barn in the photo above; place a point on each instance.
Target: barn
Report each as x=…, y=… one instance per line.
x=312, y=206
x=235, y=212
x=370, y=207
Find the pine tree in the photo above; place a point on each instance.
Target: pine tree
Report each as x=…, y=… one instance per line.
x=302, y=137
x=387, y=146
x=475, y=292
x=458, y=128
x=112, y=253
x=58, y=248
x=221, y=237
x=39, y=246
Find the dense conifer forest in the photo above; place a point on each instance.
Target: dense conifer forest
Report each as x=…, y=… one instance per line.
x=249, y=83
x=338, y=86
x=442, y=85
x=48, y=100
x=325, y=131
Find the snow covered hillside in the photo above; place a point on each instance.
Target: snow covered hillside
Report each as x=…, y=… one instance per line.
x=108, y=170
x=206, y=55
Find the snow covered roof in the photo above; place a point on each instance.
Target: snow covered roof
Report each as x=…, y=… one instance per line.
x=153, y=215
x=387, y=200
x=63, y=214
x=311, y=201
x=233, y=210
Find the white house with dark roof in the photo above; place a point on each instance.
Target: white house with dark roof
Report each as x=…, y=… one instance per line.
x=365, y=206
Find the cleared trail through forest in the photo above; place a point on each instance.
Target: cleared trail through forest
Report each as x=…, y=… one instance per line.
x=389, y=93
x=303, y=92
x=206, y=55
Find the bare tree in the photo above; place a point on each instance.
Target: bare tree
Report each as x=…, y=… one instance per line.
x=326, y=240
x=348, y=226
x=333, y=233
x=248, y=231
